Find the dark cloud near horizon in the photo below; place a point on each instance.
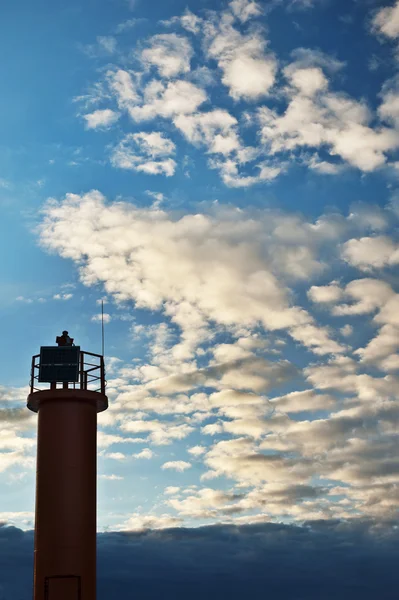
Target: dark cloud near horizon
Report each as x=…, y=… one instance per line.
x=354, y=560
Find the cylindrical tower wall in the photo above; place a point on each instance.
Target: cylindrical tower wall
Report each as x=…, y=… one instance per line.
x=65, y=528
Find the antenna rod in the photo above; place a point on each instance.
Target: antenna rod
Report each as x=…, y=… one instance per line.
x=102, y=325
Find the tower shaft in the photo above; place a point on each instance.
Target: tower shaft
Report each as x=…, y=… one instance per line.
x=65, y=518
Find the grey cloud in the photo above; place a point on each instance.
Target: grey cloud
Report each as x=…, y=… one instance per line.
x=350, y=560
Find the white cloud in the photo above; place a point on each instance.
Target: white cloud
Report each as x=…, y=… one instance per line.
x=325, y=293
x=177, y=465
x=147, y=453
x=101, y=119
x=248, y=71
x=171, y=490
x=308, y=81
x=104, y=440
x=167, y=100
x=139, y=522
x=169, y=53
x=317, y=339
x=160, y=433
x=386, y=21
x=382, y=346
x=197, y=450
x=62, y=296
x=121, y=84
x=368, y=295
x=146, y=152
x=100, y=317
x=212, y=429
x=239, y=289
x=204, y=503
x=316, y=117
x=216, y=129
x=369, y=253
x=115, y=455
x=308, y=400
x=245, y=9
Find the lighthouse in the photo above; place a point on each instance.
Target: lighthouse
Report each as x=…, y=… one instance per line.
x=67, y=390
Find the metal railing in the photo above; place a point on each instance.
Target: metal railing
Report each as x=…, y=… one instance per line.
x=91, y=374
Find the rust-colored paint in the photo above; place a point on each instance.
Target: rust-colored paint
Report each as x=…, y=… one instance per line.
x=66, y=491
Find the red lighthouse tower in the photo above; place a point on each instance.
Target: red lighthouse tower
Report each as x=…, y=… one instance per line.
x=66, y=470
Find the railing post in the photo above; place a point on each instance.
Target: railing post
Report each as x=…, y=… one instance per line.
x=32, y=375
x=81, y=370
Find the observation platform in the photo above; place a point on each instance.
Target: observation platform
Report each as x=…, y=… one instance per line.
x=67, y=373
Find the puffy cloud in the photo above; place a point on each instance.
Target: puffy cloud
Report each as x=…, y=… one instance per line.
x=341, y=374
x=167, y=100
x=101, y=119
x=381, y=349
x=369, y=253
x=308, y=400
x=250, y=259
x=197, y=450
x=248, y=71
x=318, y=117
x=238, y=289
x=143, y=522
x=171, y=490
x=308, y=81
x=325, y=293
x=169, y=53
x=177, y=465
x=146, y=152
x=316, y=338
x=217, y=129
x=104, y=440
x=368, y=295
x=102, y=317
x=159, y=433
x=212, y=429
x=146, y=453
x=386, y=21
x=206, y=503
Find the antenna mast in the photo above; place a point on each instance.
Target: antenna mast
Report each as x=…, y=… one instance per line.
x=102, y=327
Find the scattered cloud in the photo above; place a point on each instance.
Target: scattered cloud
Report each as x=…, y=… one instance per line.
x=146, y=453
x=146, y=152
x=177, y=465
x=101, y=119
x=63, y=297
x=169, y=53
x=386, y=21
x=102, y=317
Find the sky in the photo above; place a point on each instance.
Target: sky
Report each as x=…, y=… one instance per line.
x=223, y=176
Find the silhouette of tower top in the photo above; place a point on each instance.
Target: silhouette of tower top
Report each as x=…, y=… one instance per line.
x=67, y=390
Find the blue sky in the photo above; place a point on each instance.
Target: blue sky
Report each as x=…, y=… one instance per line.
x=224, y=176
